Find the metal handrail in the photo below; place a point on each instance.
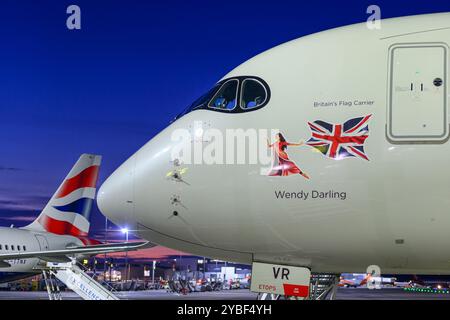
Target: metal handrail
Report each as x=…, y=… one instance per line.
x=85, y=270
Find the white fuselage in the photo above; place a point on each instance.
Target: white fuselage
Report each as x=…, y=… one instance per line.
x=19, y=240
x=396, y=208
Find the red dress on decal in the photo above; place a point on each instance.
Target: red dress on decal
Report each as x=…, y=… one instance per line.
x=281, y=165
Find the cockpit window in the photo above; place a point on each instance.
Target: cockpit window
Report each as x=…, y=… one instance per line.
x=253, y=94
x=226, y=97
x=203, y=100
x=200, y=103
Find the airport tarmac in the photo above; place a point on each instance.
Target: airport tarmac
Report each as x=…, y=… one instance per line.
x=342, y=294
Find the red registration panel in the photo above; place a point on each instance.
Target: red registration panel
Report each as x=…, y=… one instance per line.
x=295, y=290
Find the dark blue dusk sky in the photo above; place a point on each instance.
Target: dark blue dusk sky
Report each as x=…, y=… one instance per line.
x=111, y=86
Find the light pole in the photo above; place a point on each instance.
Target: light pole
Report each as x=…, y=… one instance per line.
x=125, y=231
x=204, y=267
x=105, y=258
x=153, y=273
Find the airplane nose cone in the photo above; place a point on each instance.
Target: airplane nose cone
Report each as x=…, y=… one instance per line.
x=116, y=197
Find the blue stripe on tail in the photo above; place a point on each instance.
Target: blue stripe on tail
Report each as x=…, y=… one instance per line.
x=81, y=206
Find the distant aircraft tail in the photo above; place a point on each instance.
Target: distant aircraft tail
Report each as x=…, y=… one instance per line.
x=366, y=279
x=68, y=211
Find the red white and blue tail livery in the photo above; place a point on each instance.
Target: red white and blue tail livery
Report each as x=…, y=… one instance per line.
x=61, y=230
x=67, y=213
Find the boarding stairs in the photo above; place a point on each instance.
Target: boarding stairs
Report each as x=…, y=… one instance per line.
x=52, y=286
x=73, y=276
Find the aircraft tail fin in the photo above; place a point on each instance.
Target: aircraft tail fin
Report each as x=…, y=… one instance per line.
x=68, y=211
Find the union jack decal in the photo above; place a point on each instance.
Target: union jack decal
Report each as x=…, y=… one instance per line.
x=339, y=141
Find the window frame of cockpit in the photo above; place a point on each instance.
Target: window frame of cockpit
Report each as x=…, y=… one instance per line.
x=218, y=90
x=239, y=109
x=265, y=87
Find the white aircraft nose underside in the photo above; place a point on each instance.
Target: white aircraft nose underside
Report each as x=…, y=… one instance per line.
x=116, y=196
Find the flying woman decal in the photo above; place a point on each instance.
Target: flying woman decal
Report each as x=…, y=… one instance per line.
x=281, y=165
